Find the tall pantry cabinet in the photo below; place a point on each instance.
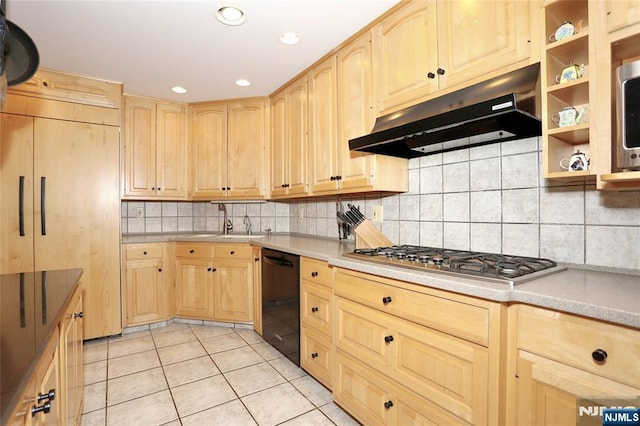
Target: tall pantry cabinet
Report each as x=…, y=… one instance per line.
x=59, y=186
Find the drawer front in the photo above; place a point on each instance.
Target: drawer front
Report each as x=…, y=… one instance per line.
x=373, y=399
x=573, y=340
x=317, y=271
x=315, y=354
x=316, y=307
x=233, y=251
x=194, y=250
x=143, y=251
x=450, y=372
x=463, y=320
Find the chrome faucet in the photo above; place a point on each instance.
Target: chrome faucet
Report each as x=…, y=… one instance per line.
x=227, y=226
x=247, y=224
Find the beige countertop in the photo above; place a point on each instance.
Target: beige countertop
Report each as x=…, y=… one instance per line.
x=602, y=295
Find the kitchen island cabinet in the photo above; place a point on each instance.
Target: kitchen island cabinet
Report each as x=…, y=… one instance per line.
x=42, y=363
x=60, y=185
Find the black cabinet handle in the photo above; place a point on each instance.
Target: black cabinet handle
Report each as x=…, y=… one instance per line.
x=388, y=404
x=43, y=198
x=314, y=355
x=213, y=269
x=431, y=75
x=388, y=339
x=386, y=300
x=314, y=309
x=599, y=355
x=78, y=315
x=314, y=274
x=256, y=259
x=21, y=205
x=209, y=269
x=144, y=252
x=338, y=177
x=159, y=269
x=440, y=71
x=45, y=408
x=49, y=396
x=232, y=252
x=191, y=251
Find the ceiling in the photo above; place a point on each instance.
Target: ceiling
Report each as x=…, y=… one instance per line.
x=153, y=45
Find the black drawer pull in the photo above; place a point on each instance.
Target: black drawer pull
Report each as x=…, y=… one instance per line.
x=440, y=71
x=386, y=300
x=314, y=309
x=159, y=269
x=314, y=355
x=314, y=274
x=388, y=339
x=599, y=355
x=45, y=408
x=78, y=315
x=49, y=396
x=144, y=252
x=431, y=75
x=388, y=404
x=192, y=251
x=232, y=252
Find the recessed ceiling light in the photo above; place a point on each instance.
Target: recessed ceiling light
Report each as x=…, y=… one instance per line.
x=230, y=15
x=289, y=38
x=178, y=89
x=243, y=83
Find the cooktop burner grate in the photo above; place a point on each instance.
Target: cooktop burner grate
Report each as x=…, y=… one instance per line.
x=492, y=266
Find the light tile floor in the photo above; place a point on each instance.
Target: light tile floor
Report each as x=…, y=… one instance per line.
x=186, y=374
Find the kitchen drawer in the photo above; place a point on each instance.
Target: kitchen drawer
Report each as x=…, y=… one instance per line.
x=143, y=251
x=572, y=340
x=316, y=307
x=458, y=318
x=194, y=250
x=315, y=354
x=449, y=371
x=373, y=399
x=317, y=271
x=233, y=251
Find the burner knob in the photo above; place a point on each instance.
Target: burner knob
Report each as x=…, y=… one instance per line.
x=423, y=259
x=400, y=255
x=388, y=254
x=412, y=257
x=438, y=261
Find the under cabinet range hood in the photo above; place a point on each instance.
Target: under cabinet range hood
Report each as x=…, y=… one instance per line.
x=500, y=109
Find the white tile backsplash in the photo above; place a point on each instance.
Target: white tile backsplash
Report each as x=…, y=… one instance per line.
x=492, y=199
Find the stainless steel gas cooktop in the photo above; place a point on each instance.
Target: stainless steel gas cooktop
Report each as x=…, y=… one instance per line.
x=499, y=268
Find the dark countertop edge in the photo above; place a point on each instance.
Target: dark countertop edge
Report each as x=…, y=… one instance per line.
x=538, y=292
x=76, y=274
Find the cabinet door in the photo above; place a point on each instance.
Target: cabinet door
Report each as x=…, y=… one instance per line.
x=77, y=207
x=405, y=50
x=279, y=155
x=467, y=50
x=246, y=149
x=72, y=360
x=323, y=118
x=622, y=13
x=170, y=150
x=355, y=103
x=194, y=288
x=208, y=140
x=144, y=290
x=232, y=298
x=16, y=187
x=139, y=147
x=297, y=153
x=48, y=379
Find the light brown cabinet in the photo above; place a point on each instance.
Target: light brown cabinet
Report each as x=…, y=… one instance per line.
x=415, y=337
x=68, y=176
x=289, y=149
x=72, y=360
x=558, y=361
x=145, y=289
x=195, y=277
x=454, y=46
x=154, y=149
x=228, y=149
x=622, y=13
x=316, y=319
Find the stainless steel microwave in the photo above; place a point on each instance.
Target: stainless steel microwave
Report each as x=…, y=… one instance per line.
x=628, y=116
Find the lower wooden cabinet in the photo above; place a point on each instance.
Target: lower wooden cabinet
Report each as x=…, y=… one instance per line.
x=194, y=288
x=560, y=362
x=233, y=283
x=72, y=360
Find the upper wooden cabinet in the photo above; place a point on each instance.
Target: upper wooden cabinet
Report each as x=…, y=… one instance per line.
x=427, y=46
x=154, y=149
x=622, y=13
x=228, y=149
x=289, y=153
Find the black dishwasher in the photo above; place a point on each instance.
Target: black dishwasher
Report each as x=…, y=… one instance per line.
x=281, y=302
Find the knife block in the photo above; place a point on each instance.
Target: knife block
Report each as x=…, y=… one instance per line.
x=369, y=236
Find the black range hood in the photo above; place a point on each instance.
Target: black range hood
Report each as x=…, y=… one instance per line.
x=500, y=109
